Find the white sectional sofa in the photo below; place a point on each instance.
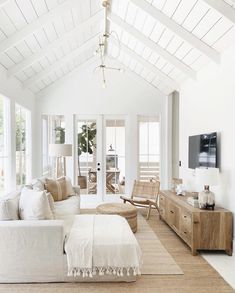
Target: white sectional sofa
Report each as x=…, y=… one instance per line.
x=33, y=250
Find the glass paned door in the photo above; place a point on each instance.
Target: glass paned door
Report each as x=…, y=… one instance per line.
x=86, y=136
x=100, y=155
x=115, y=156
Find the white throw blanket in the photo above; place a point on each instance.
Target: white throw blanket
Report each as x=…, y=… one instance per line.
x=102, y=244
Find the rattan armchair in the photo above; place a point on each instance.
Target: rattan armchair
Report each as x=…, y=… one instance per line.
x=144, y=194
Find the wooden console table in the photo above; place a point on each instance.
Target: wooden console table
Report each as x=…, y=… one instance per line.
x=200, y=229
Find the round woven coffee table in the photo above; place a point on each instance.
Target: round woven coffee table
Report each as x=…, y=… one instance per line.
x=125, y=210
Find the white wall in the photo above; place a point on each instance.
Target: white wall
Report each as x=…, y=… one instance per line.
x=209, y=105
x=124, y=95
x=12, y=89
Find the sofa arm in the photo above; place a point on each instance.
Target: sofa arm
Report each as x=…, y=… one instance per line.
x=31, y=249
x=22, y=234
x=76, y=189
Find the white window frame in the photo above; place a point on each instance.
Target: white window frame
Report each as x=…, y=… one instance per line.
x=147, y=118
x=6, y=156
x=28, y=141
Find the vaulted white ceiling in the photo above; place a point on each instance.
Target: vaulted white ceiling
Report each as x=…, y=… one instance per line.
x=162, y=41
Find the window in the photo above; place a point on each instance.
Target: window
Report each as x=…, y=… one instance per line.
x=23, y=145
x=115, y=156
x=4, y=146
x=53, y=131
x=149, y=148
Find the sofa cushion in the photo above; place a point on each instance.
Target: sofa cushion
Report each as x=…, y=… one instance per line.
x=68, y=207
x=57, y=188
x=9, y=206
x=34, y=205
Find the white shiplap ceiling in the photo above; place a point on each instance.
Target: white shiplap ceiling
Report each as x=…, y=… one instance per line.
x=162, y=41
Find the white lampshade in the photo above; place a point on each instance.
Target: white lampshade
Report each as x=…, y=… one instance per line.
x=208, y=176
x=60, y=150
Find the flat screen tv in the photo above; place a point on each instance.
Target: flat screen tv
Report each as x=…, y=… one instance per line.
x=203, y=151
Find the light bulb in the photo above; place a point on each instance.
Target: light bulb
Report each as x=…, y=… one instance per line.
x=104, y=84
x=122, y=70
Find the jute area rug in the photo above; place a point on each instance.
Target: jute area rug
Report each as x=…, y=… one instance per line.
x=156, y=259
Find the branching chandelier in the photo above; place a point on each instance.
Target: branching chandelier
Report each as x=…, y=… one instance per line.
x=102, y=47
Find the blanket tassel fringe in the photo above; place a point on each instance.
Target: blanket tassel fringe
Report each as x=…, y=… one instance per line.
x=101, y=271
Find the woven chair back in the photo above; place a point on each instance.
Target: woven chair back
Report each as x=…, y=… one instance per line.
x=147, y=190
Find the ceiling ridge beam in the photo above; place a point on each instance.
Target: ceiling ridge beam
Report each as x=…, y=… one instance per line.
x=178, y=30
x=152, y=45
x=67, y=76
x=3, y=2
x=36, y=25
x=223, y=8
x=45, y=51
x=171, y=82
x=64, y=60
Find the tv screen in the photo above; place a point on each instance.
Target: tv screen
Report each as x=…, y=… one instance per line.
x=203, y=151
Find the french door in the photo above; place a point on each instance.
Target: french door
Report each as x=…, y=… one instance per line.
x=100, y=144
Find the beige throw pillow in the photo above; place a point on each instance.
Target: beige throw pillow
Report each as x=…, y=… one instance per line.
x=57, y=188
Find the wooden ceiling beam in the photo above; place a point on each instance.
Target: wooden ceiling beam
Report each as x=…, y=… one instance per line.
x=153, y=46
x=38, y=23
x=64, y=60
x=223, y=8
x=180, y=31
x=55, y=44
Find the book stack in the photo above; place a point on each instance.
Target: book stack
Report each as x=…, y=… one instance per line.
x=193, y=202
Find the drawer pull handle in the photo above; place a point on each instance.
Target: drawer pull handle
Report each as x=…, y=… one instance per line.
x=195, y=222
x=185, y=217
x=185, y=232
x=172, y=212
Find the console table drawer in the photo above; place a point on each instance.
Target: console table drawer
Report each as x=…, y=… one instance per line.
x=162, y=200
x=187, y=236
x=186, y=221
x=162, y=212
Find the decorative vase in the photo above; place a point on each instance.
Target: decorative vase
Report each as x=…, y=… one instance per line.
x=206, y=199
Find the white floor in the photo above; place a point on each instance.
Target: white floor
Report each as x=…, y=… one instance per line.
x=221, y=262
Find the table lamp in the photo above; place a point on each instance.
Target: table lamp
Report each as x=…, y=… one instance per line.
x=207, y=177
x=60, y=151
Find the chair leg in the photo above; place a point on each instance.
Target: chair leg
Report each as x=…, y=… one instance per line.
x=124, y=201
x=149, y=211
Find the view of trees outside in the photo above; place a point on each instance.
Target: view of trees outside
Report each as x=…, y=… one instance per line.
x=21, y=156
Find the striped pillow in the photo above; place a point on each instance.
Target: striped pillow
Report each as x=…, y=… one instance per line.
x=57, y=188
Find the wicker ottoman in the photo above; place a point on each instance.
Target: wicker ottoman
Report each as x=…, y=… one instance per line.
x=125, y=210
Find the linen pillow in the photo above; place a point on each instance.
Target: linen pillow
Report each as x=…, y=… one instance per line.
x=69, y=186
x=34, y=205
x=57, y=188
x=9, y=206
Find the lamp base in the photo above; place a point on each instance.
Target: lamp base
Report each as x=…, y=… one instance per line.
x=206, y=199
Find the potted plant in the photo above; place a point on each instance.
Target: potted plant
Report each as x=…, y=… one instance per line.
x=86, y=144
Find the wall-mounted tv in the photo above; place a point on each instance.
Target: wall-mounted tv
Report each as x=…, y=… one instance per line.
x=203, y=151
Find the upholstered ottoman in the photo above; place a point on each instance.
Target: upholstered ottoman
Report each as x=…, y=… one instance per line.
x=125, y=210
